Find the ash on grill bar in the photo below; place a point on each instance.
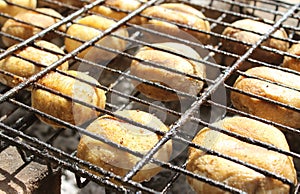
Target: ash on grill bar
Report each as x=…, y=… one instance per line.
x=197, y=96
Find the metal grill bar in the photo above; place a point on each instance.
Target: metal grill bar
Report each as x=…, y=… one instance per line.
x=11, y=37
x=21, y=125
x=61, y=4
x=265, y=80
x=297, y=189
x=260, y=46
x=272, y=66
x=32, y=61
x=265, y=99
x=238, y=112
x=243, y=5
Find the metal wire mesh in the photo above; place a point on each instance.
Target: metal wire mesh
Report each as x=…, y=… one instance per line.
x=18, y=121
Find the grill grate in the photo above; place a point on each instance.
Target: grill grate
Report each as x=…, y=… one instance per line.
x=18, y=122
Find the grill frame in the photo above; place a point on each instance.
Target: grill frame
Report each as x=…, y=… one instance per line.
x=46, y=153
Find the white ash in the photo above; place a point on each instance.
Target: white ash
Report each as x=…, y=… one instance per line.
x=68, y=185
